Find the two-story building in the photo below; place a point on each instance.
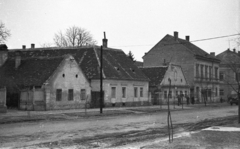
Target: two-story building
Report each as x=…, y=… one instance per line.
x=229, y=73
x=200, y=68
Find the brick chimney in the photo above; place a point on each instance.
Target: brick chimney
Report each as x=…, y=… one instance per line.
x=3, y=54
x=32, y=46
x=23, y=46
x=17, y=59
x=187, y=38
x=212, y=53
x=104, y=41
x=175, y=35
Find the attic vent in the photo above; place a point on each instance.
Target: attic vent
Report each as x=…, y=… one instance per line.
x=117, y=68
x=132, y=70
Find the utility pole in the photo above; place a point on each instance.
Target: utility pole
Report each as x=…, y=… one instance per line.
x=101, y=80
x=170, y=126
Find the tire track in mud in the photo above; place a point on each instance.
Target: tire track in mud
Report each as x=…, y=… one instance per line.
x=134, y=136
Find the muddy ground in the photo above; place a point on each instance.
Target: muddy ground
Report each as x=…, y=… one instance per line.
x=139, y=126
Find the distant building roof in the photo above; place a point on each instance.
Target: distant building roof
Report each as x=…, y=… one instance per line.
x=138, y=64
x=155, y=74
x=116, y=65
x=228, y=57
x=169, y=40
x=31, y=72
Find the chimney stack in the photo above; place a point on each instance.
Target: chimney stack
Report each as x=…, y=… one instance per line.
x=105, y=41
x=23, y=46
x=212, y=53
x=32, y=46
x=234, y=50
x=3, y=54
x=187, y=38
x=175, y=35
x=17, y=59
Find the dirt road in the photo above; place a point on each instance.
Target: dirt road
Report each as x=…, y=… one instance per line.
x=106, y=131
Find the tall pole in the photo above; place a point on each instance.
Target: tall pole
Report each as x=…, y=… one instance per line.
x=101, y=80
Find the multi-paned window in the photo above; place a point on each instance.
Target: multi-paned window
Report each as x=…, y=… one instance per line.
x=221, y=75
x=58, y=94
x=202, y=72
x=141, y=91
x=83, y=94
x=216, y=73
x=123, y=92
x=165, y=94
x=170, y=94
x=113, y=92
x=210, y=72
x=70, y=94
x=197, y=70
x=135, y=92
x=221, y=92
x=206, y=72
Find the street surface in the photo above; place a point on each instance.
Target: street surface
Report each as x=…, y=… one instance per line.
x=141, y=126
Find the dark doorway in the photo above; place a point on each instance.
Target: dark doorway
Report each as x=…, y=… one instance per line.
x=13, y=100
x=96, y=99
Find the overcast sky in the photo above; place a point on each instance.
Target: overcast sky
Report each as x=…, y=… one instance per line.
x=130, y=25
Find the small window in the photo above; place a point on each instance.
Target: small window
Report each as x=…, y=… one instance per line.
x=76, y=75
x=113, y=93
x=135, y=92
x=59, y=94
x=221, y=76
x=70, y=94
x=176, y=93
x=83, y=94
x=221, y=92
x=123, y=92
x=170, y=94
x=165, y=94
x=141, y=92
x=185, y=93
x=63, y=75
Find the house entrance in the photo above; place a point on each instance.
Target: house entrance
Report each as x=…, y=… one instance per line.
x=95, y=101
x=12, y=100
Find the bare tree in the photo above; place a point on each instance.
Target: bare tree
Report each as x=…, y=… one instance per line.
x=74, y=36
x=4, y=33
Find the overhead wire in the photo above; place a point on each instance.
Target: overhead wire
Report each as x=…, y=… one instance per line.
x=182, y=43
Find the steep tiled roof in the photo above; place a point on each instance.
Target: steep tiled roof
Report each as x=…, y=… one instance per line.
x=116, y=65
x=155, y=74
x=31, y=72
x=229, y=57
x=169, y=40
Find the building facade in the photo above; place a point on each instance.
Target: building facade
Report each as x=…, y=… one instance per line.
x=166, y=81
x=229, y=73
x=200, y=68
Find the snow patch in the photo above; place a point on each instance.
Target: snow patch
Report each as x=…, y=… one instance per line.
x=219, y=128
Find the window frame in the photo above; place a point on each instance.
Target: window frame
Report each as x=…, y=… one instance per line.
x=58, y=94
x=70, y=94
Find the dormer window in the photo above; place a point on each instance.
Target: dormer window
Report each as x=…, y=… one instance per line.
x=117, y=68
x=132, y=70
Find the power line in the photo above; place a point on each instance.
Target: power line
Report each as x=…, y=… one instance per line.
x=182, y=43
x=215, y=38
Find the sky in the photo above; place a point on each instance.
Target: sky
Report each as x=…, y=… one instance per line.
x=130, y=25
